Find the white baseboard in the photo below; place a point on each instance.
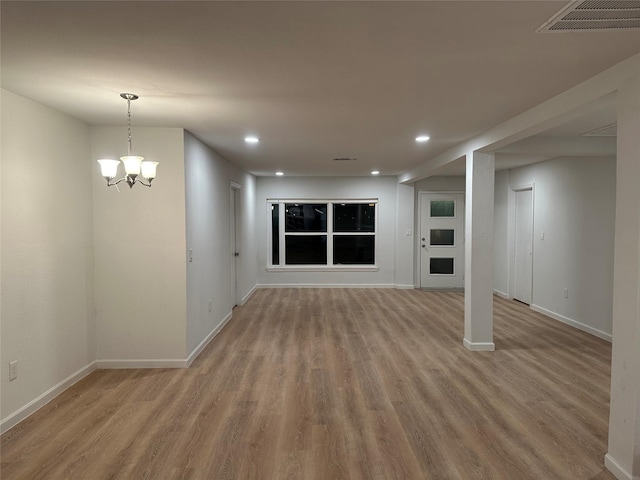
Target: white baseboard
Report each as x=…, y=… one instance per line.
x=500, y=294
x=34, y=405
x=400, y=286
x=614, y=467
x=572, y=323
x=479, y=346
x=107, y=364
x=248, y=295
x=324, y=285
x=207, y=339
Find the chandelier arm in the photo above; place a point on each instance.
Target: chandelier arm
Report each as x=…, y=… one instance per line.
x=141, y=182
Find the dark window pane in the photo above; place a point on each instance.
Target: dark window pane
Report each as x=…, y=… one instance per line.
x=353, y=250
x=275, y=234
x=306, y=217
x=441, y=266
x=354, y=217
x=443, y=208
x=441, y=237
x=305, y=250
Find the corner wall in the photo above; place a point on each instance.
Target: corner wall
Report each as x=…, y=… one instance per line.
x=208, y=179
x=47, y=272
x=574, y=205
x=140, y=272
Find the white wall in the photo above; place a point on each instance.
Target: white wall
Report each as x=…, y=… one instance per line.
x=47, y=253
x=383, y=188
x=574, y=205
x=405, y=236
x=140, y=265
x=208, y=179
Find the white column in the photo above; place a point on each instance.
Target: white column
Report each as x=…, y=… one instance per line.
x=623, y=457
x=478, y=279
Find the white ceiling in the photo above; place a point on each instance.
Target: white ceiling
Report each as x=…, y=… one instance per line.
x=313, y=80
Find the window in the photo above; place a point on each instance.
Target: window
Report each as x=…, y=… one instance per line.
x=322, y=234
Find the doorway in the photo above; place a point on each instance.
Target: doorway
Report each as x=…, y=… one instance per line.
x=234, y=241
x=523, y=246
x=441, y=240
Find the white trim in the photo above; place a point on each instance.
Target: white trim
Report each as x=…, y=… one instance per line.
x=207, y=339
x=248, y=295
x=323, y=268
x=109, y=364
x=500, y=294
x=324, y=285
x=573, y=323
x=39, y=402
x=418, y=250
x=511, y=234
x=400, y=286
x=479, y=346
x=614, y=467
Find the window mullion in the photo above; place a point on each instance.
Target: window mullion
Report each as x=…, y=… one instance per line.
x=281, y=221
x=329, y=233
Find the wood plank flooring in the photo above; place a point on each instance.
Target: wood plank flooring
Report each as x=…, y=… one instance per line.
x=338, y=384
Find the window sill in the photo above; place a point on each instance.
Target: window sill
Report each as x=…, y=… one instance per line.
x=324, y=268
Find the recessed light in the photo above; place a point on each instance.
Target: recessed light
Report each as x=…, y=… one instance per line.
x=279, y=174
x=422, y=138
x=251, y=139
x=375, y=172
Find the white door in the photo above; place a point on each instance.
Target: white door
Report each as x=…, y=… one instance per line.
x=233, y=215
x=442, y=240
x=523, y=248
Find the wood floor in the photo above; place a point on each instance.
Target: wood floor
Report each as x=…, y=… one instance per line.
x=339, y=384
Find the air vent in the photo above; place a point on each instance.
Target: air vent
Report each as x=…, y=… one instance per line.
x=607, y=131
x=593, y=15
x=344, y=159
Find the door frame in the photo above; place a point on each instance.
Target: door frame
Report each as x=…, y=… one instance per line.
x=511, y=234
x=234, y=220
x=418, y=250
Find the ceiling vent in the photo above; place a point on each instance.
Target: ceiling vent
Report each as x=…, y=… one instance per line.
x=591, y=15
x=607, y=131
x=344, y=159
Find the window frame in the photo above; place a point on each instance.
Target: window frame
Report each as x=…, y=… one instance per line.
x=330, y=234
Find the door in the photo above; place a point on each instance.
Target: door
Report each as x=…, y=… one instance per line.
x=235, y=253
x=523, y=247
x=442, y=240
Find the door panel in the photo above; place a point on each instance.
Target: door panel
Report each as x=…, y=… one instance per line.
x=442, y=240
x=523, y=265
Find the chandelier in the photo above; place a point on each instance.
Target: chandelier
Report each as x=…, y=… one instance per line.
x=133, y=164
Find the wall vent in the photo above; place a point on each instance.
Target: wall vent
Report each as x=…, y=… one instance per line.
x=606, y=131
x=590, y=15
x=344, y=159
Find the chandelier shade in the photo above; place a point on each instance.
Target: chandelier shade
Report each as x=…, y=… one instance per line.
x=134, y=165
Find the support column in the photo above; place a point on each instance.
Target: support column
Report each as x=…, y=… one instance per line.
x=623, y=457
x=478, y=279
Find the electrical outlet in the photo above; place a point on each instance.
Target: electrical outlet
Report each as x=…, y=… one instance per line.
x=13, y=370
x=209, y=305
x=566, y=293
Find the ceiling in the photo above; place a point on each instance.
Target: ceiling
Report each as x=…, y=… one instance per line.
x=313, y=80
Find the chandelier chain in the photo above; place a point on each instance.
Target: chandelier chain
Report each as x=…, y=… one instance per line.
x=129, y=125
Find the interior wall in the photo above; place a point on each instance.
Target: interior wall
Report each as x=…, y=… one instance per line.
x=47, y=315
x=574, y=205
x=140, y=266
x=208, y=178
x=383, y=188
